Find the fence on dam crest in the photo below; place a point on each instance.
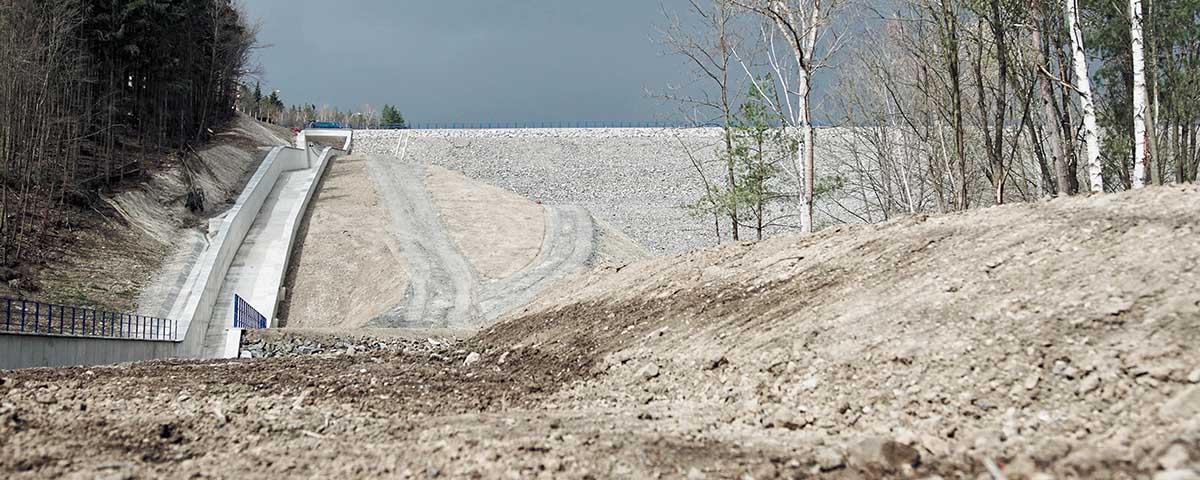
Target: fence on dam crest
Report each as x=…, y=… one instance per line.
x=520, y=125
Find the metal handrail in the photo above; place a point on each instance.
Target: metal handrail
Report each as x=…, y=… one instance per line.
x=31, y=317
x=246, y=316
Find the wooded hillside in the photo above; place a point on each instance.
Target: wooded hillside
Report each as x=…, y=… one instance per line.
x=93, y=92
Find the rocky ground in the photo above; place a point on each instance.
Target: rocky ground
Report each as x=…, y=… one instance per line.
x=1050, y=340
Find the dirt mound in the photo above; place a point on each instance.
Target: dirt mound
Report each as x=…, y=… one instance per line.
x=1057, y=337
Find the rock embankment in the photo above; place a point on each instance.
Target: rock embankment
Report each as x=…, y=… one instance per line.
x=637, y=180
x=302, y=343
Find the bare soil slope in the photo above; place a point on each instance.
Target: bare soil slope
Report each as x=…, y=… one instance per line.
x=394, y=243
x=499, y=232
x=346, y=259
x=1056, y=337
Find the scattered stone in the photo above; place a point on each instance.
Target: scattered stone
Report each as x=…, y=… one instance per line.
x=1115, y=306
x=472, y=359
x=648, y=372
x=1176, y=457
x=906, y=436
x=721, y=361
x=45, y=397
x=1177, y=475
x=1089, y=384
x=878, y=452
x=829, y=459
x=1194, y=377
x=786, y=418
x=1065, y=369
x=1050, y=450
x=1021, y=467
x=1183, y=406
x=1031, y=382
x=695, y=474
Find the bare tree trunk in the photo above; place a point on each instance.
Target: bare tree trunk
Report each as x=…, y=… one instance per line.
x=1157, y=159
x=800, y=24
x=953, y=67
x=1051, y=131
x=1083, y=84
x=806, y=151
x=1140, y=113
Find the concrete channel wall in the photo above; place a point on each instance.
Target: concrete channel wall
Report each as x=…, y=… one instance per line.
x=194, y=310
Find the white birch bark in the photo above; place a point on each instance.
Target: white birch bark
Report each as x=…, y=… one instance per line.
x=806, y=154
x=1139, y=94
x=804, y=49
x=1083, y=85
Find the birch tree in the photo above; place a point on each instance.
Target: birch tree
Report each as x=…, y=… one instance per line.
x=1140, y=113
x=802, y=24
x=1083, y=85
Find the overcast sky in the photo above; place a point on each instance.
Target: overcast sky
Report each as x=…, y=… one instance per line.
x=472, y=60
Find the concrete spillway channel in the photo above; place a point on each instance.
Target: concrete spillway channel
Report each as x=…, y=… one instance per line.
x=246, y=253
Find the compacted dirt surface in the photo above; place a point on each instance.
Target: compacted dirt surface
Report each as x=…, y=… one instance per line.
x=346, y=259
x=1052, y=340
x=393, y=242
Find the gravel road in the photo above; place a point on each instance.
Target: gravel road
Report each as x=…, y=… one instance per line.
x=567, y=245
x=441, y=289
x=444, y=288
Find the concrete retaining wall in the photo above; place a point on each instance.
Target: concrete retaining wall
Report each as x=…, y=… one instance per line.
x=195, y=307
x=25, y=351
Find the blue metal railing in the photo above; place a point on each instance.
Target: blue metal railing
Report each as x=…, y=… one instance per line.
x=245, y=316
x=29, y=317
x=498, y=125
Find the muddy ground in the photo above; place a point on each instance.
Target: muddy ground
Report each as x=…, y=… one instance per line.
x=1050, y=340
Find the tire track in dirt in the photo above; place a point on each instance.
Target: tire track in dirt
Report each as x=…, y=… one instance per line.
x=444, y=290
x=567, y=245
x=441, y=291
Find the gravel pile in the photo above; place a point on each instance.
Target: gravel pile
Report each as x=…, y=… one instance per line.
x=634, y=179
x=285, y=344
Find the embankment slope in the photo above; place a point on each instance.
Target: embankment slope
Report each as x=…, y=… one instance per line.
x=1055, y=337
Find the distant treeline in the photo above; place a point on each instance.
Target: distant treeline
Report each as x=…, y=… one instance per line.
x=95, y=91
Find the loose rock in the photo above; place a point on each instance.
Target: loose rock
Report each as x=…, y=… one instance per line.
x=1176, y=457
x=876, y=452
x=1182, y=406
